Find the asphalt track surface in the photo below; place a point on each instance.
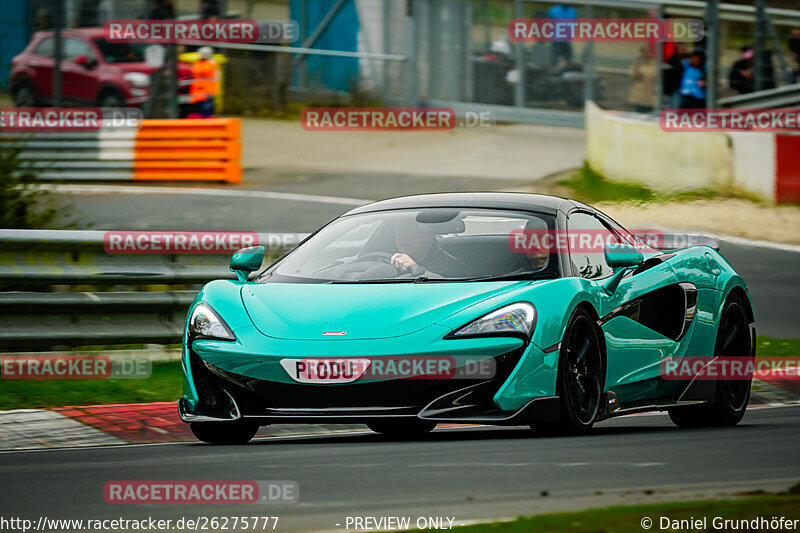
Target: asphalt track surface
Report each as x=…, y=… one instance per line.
x=466, y=473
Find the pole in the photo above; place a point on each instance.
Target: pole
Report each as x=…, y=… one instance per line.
x=761, y=18
x=712, y=53
x=58, y=53
x=519, y=93
x=413, y=54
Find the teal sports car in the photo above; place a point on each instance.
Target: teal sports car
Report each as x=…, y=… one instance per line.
x=478, y=308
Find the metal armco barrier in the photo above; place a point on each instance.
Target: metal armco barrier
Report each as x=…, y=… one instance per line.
x=787, y=96
x=159, y=150
x=63, y=288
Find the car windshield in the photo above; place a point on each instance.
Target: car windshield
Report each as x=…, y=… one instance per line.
x=433, y=244
x=120, y=52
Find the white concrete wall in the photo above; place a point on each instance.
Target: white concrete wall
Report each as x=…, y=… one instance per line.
x=754, y=161
x=629, y=147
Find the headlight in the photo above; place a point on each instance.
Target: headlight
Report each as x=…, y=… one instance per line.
x=206, y=323
x=137, y=79
x=514, y=319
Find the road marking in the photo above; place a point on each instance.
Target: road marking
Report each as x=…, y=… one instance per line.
x=231, y=193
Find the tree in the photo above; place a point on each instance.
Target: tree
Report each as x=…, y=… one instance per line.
x=22, y=204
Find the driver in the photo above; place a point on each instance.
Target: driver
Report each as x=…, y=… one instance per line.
x=418, y=253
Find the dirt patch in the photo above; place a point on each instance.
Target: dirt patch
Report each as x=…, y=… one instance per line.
x=724, y=216
x=740, y=218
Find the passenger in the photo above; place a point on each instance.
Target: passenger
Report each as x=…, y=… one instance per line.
x=533, y=259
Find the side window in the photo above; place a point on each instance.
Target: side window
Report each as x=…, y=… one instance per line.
x=46, y=48
x=74, y=48
x=587, y=237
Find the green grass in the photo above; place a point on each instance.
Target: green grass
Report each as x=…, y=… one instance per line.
x=589, y=186
x=772, y=347
x=629, y=518
x=163, y=385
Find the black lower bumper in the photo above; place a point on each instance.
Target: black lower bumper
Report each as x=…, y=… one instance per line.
x=225, y=396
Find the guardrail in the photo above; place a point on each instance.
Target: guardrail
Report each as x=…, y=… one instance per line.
x=72, y=288
x=158, y=150
x=786, y=96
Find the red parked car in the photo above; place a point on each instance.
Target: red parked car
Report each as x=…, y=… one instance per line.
x=94, y=71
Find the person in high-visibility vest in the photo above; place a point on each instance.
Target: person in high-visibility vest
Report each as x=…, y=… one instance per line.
x=205, y=83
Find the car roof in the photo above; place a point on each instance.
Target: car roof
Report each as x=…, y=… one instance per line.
x=89, y=33
x=541, y=203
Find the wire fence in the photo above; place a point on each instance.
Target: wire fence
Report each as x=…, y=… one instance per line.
x=417, y=52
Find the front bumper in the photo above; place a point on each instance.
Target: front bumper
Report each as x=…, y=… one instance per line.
x=225, y=381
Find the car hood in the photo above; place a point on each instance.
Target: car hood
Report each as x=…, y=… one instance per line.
x=361, y=311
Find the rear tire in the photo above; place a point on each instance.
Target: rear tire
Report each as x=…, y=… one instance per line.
x=402, y=429
x=580, y=378
x=730, y=401
x=235, y=432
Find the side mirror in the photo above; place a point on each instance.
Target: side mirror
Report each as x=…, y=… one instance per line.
x=619, y=257
x=622, y=255
x=84, y=61
x=247, y=260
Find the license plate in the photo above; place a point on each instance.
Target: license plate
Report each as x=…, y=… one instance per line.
x=327, y=370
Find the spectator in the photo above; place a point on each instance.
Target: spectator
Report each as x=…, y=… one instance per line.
x=672, y=74
x=693, y=81
x=644, y=72
x=794, y=49
x=741, y=77
x=794, y=44
x=43, y=20
x=160, y=9
x=561, y=50
x=209, y=9
x=205, y=83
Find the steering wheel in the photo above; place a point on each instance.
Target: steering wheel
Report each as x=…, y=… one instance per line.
x=379, y=257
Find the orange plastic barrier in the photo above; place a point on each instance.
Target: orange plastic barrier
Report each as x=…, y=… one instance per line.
x=189, y=149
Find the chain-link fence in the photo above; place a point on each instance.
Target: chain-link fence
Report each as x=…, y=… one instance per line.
x=416, y=52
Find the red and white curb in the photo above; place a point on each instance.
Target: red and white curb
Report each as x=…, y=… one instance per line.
x=39, y=428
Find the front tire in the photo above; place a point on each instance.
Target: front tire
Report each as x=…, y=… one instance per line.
x=731, y=398
x=402, y=429
x=111, y=98
x=235, y=432
x=25, y=96
x=580, y=378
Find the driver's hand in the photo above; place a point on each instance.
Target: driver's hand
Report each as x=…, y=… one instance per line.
x=404, y=263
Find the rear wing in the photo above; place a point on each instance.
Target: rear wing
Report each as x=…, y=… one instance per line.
x=673, y=240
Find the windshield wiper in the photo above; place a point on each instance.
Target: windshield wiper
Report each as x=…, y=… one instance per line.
x=376, y=280
x=505, y=277
x=426, y=279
